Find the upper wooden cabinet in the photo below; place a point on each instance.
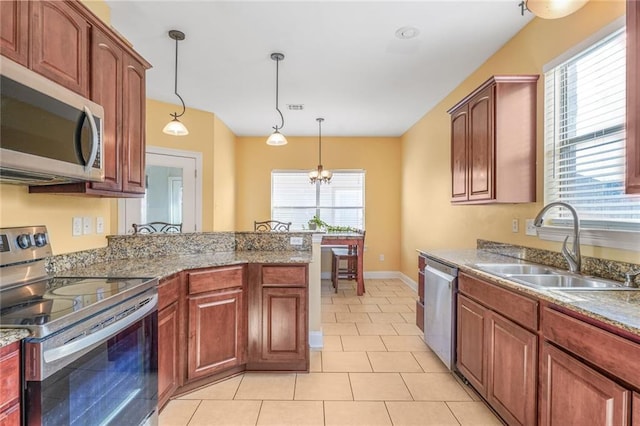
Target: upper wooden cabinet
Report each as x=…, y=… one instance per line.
x=14, y=30
x=71, y=46
x=633, y=97
x=493, y=142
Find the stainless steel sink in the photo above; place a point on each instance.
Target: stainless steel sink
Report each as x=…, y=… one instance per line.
x=567, y=282
x=514, y=268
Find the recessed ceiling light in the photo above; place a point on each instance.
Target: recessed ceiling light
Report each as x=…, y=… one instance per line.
x=295, y=107
x=406, y=33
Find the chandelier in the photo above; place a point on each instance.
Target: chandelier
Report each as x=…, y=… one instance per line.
x=320, y=175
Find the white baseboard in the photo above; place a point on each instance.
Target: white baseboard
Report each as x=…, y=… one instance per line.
x=408, y=281
x=382, y=275
x=316, y=339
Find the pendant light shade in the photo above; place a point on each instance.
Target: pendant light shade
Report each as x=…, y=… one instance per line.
x=320, y=174
x=553, y=9
x=175, y=127
x=277, y=138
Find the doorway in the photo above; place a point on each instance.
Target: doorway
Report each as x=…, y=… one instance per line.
x=173, y=191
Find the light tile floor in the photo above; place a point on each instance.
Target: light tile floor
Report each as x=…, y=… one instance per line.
x=374, y=369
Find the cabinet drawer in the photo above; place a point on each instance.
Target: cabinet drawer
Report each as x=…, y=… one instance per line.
x=10, y=416
x=284, y=275
x=518, y=308
x=10, y=378
x=168, y=291
x=614, y=354
x=215, y=279
x=422, y=262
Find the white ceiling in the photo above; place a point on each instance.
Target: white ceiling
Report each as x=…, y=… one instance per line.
x=342, y=60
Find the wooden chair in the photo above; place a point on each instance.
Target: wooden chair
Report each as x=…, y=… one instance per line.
x=271, y=225
x=348, y=271
x=157, y=228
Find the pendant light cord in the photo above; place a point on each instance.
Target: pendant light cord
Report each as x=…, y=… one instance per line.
x=320, y=142
x=175, y=86
x=276, y=128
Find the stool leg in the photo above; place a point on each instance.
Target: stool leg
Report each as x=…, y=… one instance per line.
x=334, y=273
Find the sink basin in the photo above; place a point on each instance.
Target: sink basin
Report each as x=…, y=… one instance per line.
x=514, y=268
x=567, y=282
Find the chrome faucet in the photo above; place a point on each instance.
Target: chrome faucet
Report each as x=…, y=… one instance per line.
x=630, y=278
x=573, y=256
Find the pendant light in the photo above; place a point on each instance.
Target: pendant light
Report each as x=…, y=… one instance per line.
x=320, y=175
x=175, y=127
x=277, y=138
x=553, y=9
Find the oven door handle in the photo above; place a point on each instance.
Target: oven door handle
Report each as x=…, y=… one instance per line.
x=78, y=345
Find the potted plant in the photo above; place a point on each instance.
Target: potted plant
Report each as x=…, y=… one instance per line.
x=316, y=223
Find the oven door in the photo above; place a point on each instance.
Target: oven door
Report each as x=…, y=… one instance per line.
x=113, y=381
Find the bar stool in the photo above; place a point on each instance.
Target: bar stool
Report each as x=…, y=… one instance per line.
x=348, y=271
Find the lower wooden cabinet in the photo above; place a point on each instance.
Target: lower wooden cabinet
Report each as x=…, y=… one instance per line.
x=171, y=296
x=284, y=335
x=571, y=393
x=471, y=341
x=10, y=385
x=635, y=417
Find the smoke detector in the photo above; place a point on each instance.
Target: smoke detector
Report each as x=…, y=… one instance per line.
x=406, y=33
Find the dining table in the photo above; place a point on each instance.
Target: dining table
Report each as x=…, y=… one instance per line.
x=352, y=240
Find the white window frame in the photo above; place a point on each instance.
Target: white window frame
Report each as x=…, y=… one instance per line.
x=619, y=239
x=318, y=207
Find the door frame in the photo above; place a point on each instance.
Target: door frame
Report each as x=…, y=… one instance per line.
x=197, y=156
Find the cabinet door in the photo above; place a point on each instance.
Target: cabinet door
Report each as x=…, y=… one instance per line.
x=133, y=161
x=284, y=322
x=10, y=384
x=573, y=394
x=59, y=44
x=106, y=90
x=168, y=346
x=459, y=155
x=633, y=97
x=480, y=146
x=14, y=30
x=512, y=365
x=635, y=405
x=471, y=341
x=216, y=333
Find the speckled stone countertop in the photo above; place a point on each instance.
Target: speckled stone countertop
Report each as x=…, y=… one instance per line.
x=619, y=308
x=10, y=335
x=163, y=266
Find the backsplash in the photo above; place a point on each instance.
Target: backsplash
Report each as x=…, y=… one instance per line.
x=604, y=268
x=158, y=245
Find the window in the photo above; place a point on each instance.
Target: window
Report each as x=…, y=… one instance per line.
x=585, y=137
x=295, y=200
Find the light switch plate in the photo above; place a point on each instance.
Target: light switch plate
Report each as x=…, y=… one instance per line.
x=531, y=229
x=86, y=225
x=295, y=241
x=76, y=227
x=514, y=225
x=99, y=225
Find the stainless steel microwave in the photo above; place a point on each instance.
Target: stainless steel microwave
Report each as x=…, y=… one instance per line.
x=48, y=134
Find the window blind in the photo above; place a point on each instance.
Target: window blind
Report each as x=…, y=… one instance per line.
x=585, y=137
x=295, y=200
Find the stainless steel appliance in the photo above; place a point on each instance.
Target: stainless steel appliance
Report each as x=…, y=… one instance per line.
x=91, y=358
x=48, y=134
x=440, y=287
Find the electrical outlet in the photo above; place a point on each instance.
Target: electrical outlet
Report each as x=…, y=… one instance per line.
x=99, y=225
x=531, y=229
x=381, y=258
x=76, y=229
x=87, y=227
x=295, y=241
x=514, y=225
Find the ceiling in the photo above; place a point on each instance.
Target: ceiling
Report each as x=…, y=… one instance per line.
x=343, y=60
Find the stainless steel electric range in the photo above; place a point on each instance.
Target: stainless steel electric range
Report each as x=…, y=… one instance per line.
x=91, y=358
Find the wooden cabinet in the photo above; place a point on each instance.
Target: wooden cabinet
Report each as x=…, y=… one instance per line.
x=495, y=352
x=14, y=30
x=278, y=317
x=633, y=98
x=217, y=336
x=59, y=44
x=170, y=337
x=10, y=385
x=422, y=261
x=133, y=117
x=493, y=142
x=573, y=394
x=635, y=407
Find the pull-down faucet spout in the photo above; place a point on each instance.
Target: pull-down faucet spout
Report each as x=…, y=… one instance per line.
x=573, y=256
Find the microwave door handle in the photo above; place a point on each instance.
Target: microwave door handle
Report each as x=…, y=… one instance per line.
x=94, y=140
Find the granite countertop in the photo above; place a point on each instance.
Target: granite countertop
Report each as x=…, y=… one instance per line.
x=163, y=266
x=10, y=335
x=619, y=308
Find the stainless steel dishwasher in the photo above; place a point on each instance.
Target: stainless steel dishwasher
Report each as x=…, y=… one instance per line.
x=440, y=287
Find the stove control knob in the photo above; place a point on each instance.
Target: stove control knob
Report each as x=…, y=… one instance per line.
x=23, y=241
x=40, y=239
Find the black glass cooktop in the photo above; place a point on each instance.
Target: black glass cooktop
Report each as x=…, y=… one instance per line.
x=51, y=304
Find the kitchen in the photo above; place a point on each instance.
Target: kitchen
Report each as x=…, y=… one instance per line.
x=409, y=214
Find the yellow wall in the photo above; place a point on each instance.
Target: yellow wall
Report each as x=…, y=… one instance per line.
x=379, y=157
x=224, y=178
x=429, y=220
